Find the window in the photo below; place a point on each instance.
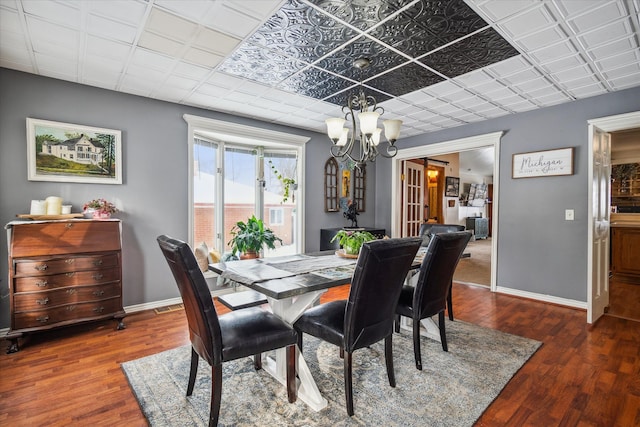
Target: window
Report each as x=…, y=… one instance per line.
x=275, y=216
x=231, y=177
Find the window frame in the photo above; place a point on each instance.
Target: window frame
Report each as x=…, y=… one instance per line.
x=236, y=134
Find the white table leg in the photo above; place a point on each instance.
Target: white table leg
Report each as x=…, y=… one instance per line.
x=290, y=310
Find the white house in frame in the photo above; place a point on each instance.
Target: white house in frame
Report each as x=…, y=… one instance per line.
x=81, y=150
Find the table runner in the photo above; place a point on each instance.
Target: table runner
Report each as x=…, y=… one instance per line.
x=280, y=268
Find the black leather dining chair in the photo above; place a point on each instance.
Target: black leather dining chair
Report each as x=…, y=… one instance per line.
x=219, y=339
x=367, y=316
x=429, y=229
x=429, y=296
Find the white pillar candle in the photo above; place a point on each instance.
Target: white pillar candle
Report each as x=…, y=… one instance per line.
x=66, y=209
x=54, y=205
x=38, y=207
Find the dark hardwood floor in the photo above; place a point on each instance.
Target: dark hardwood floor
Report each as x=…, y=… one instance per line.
x=581, y=376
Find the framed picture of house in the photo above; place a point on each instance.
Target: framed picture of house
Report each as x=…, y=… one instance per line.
x=65, y=152
x=452, y=186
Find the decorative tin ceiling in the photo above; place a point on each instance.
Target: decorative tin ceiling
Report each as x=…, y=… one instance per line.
x=411, y=45
x=435, y=64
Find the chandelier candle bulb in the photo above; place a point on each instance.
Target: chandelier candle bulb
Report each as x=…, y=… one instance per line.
x=343, y=137
x=392, y=129
x=368, y=122
x=335, y=127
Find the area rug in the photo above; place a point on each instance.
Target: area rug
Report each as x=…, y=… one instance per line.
x=453, y=389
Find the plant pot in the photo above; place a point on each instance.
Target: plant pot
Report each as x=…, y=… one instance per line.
x=351, y=248
x=250, y=255
x=101, y=215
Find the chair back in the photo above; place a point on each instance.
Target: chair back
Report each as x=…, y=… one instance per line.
x=436, y=272
x=428, y=229
x=375, y=289
x=204, y=329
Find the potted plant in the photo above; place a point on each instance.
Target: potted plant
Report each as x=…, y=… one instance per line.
x=250, y=237
x=288, y=184
x=99, y=208
x=351, y=241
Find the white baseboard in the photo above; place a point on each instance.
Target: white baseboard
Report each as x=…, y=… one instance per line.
x=544, y=298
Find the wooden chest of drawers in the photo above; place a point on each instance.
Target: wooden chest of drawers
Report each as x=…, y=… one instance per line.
x=62, y=273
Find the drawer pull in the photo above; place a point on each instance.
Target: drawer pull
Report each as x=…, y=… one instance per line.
x=71, y=291
x=98, y=276
x=69, y=225
x=70, y=274
x=98, y=309
x=42, y=283
x=43, y=301
x=43, y=319
x=97, y=262
x=41, y=267
x=69, y=261
x=98, y=293
x=71, y=307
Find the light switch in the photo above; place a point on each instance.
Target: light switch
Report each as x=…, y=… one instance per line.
x=568, y=214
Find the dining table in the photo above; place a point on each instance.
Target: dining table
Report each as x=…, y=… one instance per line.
x=292, y=284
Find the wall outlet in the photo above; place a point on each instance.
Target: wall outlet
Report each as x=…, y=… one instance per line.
x=568, y=214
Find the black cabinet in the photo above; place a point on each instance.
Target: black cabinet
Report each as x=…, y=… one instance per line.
x=326, y=234
x=480, y=227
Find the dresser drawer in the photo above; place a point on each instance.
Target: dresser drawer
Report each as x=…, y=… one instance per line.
x=42, y=283
x=62, y=296
x=48, y=266
x=67, y=313
x=64, y=237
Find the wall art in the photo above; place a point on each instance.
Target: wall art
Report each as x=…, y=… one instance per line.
x=65, y=152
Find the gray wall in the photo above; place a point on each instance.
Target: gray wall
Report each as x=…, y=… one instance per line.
x=539, y=251
x=154, y=191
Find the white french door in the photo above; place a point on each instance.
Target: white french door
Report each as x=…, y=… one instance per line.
x=413, y=196
x=601, y=187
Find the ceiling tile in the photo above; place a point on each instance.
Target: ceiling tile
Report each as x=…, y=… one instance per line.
x=180, y=82
x=572, y=8
x=215, y=41
x=543, y=38
x=202, y=57
x=159, y=44
x=467, y=55
x=404, y=79
x=626, y=81
x=110, y=29
x=627, y=70
x=607, y=33
x=65, y=14
x=51, y=33
x=589, y=90
x=614, y=48
x=10, y=21
x=427, y=25
x=107, y=48
x=231, y=21
x=314, y=83
x=170, y=26
x=594, y=18
x=189, y=70
x=628, y=57
x=126, y=11
x=189, y=9
x=146, y=58
x=529, y=21
x=499, y=10
x=553, y=52
x=566, y=63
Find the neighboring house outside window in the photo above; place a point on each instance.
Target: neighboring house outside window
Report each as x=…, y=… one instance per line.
x=276, y=216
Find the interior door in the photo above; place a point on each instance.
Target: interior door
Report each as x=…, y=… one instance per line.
x=601, y=187
x=413, y=196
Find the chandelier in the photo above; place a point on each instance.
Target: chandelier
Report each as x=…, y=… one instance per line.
x=368, y=135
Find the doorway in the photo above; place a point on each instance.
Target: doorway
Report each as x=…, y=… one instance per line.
x=598, y=292
x=447, y=147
